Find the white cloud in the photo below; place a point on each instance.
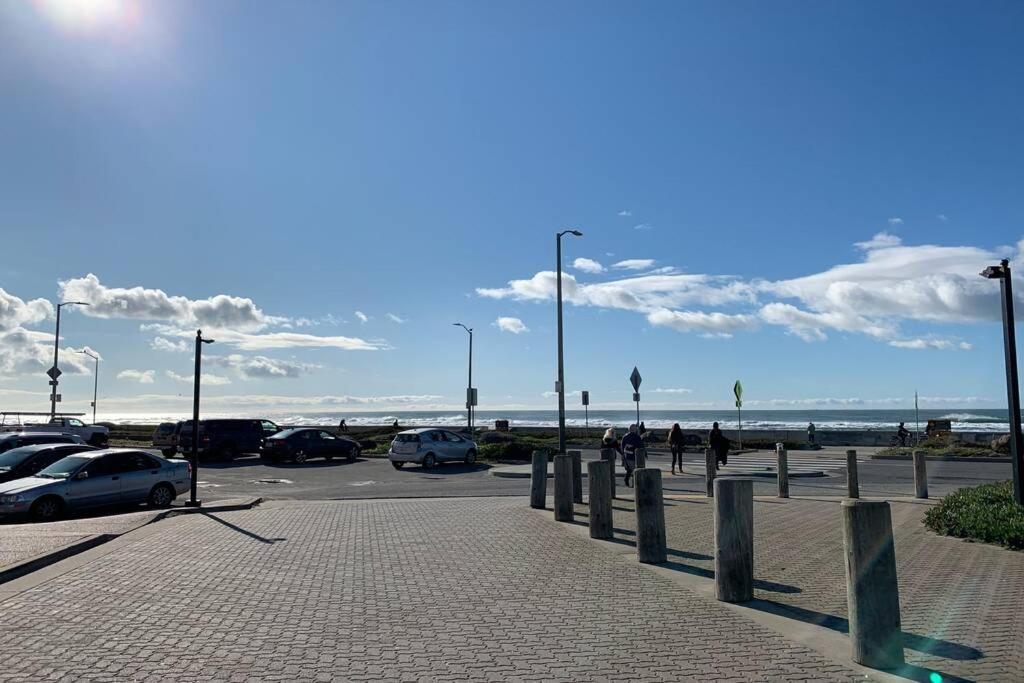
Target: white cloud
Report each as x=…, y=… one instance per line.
x=209, y=380
x=716, y=323
x=15, y=312
x=164, y=344
x=625, y=212
x=395, y=319
x=659, y=390
x=940, y=344
x=881, y=240
x=141, y=303
x=270, y=340
x=260, y=367
x=942, y=217
x=362, y=316
x=587, y=265
x=643, y=226
x=634, y=264
x=28, y=352
x=140, y=376
x=569, y=394
x=513, y=325
x=896, y=220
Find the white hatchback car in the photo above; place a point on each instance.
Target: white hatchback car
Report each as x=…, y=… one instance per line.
x=429, y=446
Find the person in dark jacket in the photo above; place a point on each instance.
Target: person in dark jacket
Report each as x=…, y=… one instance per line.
x=631, y=442
x=676, y=444
x=610, y=440
x=719, y=444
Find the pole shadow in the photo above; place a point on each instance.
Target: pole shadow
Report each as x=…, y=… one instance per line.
x=759, y=584
x=245, y=532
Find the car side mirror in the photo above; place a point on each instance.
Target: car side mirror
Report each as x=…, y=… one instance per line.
x=82, y=475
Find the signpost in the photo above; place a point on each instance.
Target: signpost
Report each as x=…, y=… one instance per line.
x=635, y=379
x=586, y=409
x=737, y=389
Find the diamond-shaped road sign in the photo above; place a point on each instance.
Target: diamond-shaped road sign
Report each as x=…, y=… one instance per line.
x=53, y=372
x=635, y=379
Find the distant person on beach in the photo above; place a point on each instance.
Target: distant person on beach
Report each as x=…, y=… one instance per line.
x=810, y=433
x=676, y=444
x=394, y=424
x=902, y=434
x=610, y=439
x=342, y=427
x=631, y=442
x=643, y=429
x=719, y=444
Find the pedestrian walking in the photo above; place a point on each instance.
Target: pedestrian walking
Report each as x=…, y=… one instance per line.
x=610, y=440
x=675, y=443
x=643, y=429
x=630, y=443
x=719, y=444
x=342, y=427
x=810, y=434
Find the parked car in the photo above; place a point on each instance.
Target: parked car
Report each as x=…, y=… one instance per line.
x=299, y=445
x=94, y=435
x=428, y=447
x=165, y=437
x=19, y=439
x=92, y=479
x=28, y=460
x=226, y=439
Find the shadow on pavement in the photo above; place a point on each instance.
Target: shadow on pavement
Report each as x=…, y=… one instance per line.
x=449, y=468
x=311, y=464
x=245, y=532
x=759, y=584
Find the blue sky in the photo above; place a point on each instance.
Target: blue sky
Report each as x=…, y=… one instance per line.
x=275, y=172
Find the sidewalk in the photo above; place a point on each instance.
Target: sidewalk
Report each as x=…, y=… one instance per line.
x=767, y=470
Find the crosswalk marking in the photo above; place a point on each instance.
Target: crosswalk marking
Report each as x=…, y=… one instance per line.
x=768, y=463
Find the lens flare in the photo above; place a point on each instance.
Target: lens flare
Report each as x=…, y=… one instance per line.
x=88, y=15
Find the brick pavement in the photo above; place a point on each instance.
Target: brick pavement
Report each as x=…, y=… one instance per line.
x=469, y=589
x=960, y=602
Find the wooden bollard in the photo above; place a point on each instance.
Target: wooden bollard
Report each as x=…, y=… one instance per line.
x=598, y=474
x=641, y=457
x=852, y=486
x=872, y=592
x=563, y=488
x=610, y=455
x=539, y=480
x=710, y=465
x=734, y=540
x=577, y=475
x=920, y=475
x=650, y=516
x=783, y=470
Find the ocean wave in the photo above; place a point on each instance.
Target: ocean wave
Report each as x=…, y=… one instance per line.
x=971, y=417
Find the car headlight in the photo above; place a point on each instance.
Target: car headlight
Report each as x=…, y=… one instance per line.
x=12, y=498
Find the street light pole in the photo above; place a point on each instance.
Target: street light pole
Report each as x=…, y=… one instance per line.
x=54, y=372
x=1002, y=273
x=469, y=387
x=193, y=501
x=561, y=366
x=95, y=382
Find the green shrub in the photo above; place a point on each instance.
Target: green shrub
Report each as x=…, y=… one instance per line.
x=508, y=450
x=983, y=513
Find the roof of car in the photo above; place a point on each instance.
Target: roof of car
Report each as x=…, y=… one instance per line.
x=12, y=435
x=36, y=447
x=108, y=451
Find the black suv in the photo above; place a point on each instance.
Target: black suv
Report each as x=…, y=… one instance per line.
x=226, y=439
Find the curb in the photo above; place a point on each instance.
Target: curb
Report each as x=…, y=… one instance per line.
x=943, y=458
x=20, y=569
x=761, y=475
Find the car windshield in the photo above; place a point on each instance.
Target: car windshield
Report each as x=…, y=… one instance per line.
x=14, y=457
x=407, y=438
x=63, y=468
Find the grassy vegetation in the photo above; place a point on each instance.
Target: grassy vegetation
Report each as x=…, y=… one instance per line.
x=943, y=446
x=985, y=513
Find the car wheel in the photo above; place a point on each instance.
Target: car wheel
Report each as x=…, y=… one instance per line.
x=161, y=496
x=354, y=454
x=329, y=457
x=397, y=465
x=228, y=453
x=299, y=457
x=47, y=509
x=429, y=461
x=470, y=456
x=168, y=452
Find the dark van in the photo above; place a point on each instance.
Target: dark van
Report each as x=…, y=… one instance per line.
x=226, y=439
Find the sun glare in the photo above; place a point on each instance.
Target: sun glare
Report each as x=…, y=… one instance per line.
x=86, y=15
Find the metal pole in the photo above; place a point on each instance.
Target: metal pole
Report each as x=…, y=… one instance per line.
x=193, y=501
x=56, y=350
x=469, y=394
x=638, y=415
x=561, y=372
x=95, y=387
x=739, y=427
x=1012, y=388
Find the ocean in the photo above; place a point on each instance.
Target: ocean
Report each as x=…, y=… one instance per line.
x=829, y=420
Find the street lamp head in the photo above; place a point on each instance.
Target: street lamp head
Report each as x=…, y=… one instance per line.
x=207, y=341
x=73, y=303
x=576, y=232
x=995, y=272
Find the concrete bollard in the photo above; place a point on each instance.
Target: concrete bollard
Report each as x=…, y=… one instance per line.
x=577, y=475
x=920, y=475
x=650, y=516
x=709, y=472
x=563, y=488
x=783, y=470
x=598, y=474
x=734, y=540
x=641, y=458
x=852, y=485
x=872, y=592
x=610, y=455
x=539, y=480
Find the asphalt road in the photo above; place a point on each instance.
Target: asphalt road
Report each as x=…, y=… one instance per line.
x=376, y=478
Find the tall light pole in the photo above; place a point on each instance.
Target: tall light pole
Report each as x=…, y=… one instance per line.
x=54, y=372
x=469, y=387
x=95, y=382
x=561, y=367
x=1002, y=273
x=193, y=501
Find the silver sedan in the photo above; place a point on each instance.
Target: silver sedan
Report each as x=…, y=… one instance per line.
x=429, y=447
x=113, y=476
